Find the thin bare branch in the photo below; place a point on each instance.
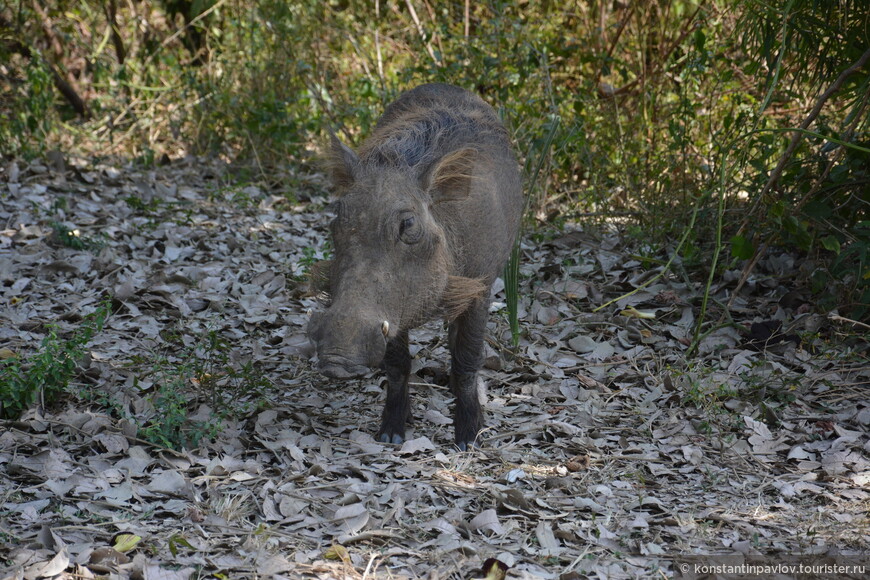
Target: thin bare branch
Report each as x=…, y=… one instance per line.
x=421, y=32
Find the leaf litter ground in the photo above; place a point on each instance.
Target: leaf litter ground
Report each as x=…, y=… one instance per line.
x=608, y=453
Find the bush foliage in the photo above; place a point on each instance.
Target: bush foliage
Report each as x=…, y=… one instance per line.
x=47, y=374
x=663, y=113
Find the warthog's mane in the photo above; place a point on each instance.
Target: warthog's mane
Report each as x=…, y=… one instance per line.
x=419, y=138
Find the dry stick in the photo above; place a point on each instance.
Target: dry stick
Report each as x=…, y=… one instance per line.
x=434, y=20
x=467, y=19
x=615, y=40
x=110, y=9
x=69, y=93
x=372, y=559
x=747, y=270
x=838, y=318
x=780, y=167
x=256, y=155
x=687, y=28
x=48, y=30
x=602, y=20
x=421, y=31
x=359, y=52
x=378, y=45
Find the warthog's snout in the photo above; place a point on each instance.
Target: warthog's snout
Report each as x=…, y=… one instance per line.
x=339, y=367
x=346, y=346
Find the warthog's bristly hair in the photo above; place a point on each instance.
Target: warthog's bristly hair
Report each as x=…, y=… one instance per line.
x=451, y=177
x=412, y=136
x=318, y=277
x=460, y=294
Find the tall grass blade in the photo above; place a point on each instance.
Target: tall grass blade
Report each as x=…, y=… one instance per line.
x=511, y=276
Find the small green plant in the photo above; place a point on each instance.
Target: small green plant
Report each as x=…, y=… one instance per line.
x=511, y=289
x=140, y=205
x=239, y=188
x=171, y=426
x=700, y=388
x=312, y=255
x=202, y=373
x=72, y=238
x=313, y=266
x=231, y=389
x=47, y=373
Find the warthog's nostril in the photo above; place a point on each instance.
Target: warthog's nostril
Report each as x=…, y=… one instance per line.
x=385, y=328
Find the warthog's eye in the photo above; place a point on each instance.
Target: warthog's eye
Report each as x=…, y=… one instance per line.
x=409, y=231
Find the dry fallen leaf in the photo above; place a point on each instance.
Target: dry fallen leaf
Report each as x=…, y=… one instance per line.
x=106, y=559
x=337, y=552
x=633, y=312
x=494, y=569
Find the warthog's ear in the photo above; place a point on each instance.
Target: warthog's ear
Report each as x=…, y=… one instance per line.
x=460, y=293
x=342, y=163
x=450, y=177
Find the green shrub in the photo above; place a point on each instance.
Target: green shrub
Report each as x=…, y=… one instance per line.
x=72, y=238
x=45, y=375
x=27, y=107
x=662, y=114
x=199, y=374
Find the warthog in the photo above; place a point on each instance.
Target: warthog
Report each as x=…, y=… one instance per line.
x=427, y=213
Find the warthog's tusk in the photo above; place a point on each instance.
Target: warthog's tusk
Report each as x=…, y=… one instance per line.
x=385, y=328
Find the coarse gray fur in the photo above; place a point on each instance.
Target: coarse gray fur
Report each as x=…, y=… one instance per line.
x=427, y=214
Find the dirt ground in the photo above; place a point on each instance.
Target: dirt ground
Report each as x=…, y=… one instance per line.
x=609, y=453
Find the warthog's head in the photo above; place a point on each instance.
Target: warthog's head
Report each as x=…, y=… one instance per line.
x=392, y=257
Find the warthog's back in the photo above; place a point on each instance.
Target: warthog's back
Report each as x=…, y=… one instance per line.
x=431, y=120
